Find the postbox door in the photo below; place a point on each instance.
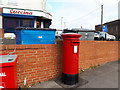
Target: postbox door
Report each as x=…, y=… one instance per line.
x=75, y=46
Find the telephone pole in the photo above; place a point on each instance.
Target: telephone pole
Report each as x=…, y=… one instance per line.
x=64, y=25
x=101, y=17
x=61, y=23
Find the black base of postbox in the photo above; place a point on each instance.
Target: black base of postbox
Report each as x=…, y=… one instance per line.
x=70, y=79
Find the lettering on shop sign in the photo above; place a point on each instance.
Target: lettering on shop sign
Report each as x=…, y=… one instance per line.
x=24, y=12
x=2, y=74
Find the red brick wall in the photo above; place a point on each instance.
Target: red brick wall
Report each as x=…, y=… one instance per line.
x=97, y=52
x=37, y=62
x=44, y=62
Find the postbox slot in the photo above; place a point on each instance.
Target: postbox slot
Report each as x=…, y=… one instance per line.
x=75, y=43
x=10, y=59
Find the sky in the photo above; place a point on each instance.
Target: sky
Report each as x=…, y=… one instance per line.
x=81, y=13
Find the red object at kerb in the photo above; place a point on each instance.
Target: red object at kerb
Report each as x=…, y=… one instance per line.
x=71, y=53
x=8, y=71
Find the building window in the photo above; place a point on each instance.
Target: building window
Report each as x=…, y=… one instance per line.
x=12, y=2
x=10, y=24
x=26, y=23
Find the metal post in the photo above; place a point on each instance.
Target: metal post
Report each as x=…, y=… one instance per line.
x=64, y=25
x=101, y=17
x=61, y=22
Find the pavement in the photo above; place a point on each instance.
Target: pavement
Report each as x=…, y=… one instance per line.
x=103, y=76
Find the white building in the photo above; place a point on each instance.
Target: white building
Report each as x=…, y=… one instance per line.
x=23, y=13
x=24, y=4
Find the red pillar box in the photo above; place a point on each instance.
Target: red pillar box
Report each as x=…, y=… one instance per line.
x=8, y=71
x=70, y=74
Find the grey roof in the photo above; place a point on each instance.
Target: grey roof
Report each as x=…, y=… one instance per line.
x=82, y=30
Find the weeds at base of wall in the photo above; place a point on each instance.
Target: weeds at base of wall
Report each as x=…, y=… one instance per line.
x=40, y=82
x=81, y=71
x=33, y=85
x=49, y=79
x=26, y=86
x=93, y=66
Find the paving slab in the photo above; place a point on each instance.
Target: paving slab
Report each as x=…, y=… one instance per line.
x=104, y=76
x=48, y=84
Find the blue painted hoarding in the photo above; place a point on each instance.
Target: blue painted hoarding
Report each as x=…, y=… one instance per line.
x=35, y=36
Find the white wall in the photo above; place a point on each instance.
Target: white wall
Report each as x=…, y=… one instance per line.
x=1, y=22
x=24, y=4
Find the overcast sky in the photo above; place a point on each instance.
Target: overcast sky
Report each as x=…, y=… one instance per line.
x=85, y=13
